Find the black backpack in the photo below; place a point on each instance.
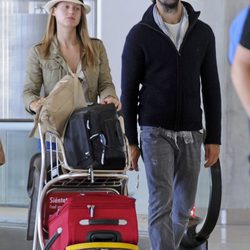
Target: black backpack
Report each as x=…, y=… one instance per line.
x=94, y=139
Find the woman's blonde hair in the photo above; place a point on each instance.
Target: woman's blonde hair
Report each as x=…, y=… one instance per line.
x=82, y=34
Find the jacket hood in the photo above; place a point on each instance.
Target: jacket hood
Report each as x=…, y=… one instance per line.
x=149, y=19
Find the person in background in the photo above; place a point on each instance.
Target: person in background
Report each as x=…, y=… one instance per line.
x=240, y=69
x=235, y=32
x=168, y=62
x=240, y=63
x=66, y=48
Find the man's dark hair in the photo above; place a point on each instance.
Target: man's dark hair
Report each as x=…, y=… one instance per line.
x=154, y=1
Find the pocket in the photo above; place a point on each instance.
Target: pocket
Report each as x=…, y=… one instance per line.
x=77, y=146
x=114, y=133
x=51, y=71
x=149, y=134
x=198, y=136
x=51, y=65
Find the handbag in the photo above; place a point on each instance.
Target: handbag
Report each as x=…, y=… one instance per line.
x=94, y=139
x=2, y=155
x=65, y=97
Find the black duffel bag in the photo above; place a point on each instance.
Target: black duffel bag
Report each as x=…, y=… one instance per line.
x=94, y=139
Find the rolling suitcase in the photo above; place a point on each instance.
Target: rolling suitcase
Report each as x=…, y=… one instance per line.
x=56, y=198
x=53, y=202
x=95, y=217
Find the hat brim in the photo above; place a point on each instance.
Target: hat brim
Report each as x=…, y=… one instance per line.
x=48, y=6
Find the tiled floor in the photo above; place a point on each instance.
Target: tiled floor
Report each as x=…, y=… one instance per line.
x=223, y=238
x=230, y=238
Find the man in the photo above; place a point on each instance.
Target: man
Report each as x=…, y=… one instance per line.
x=241, y=67
x=164, y=57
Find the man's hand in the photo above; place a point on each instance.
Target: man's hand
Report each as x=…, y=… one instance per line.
x=212, y=152
x=135, y=154
x=111, y=99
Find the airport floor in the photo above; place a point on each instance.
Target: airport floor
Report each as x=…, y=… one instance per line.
x=232, y=237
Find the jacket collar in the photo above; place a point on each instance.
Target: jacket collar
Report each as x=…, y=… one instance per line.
x=148, y=18
x=55, y=54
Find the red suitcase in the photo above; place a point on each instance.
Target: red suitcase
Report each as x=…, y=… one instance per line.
x=53, y=202
x=55, y=199
x=95, y=217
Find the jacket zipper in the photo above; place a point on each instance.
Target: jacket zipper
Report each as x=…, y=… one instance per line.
x=179, y=85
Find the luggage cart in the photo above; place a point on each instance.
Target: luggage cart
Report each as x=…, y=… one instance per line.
x=103, y=245
x=66, y=181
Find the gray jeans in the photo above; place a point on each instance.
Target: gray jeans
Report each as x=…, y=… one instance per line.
x=172, y=170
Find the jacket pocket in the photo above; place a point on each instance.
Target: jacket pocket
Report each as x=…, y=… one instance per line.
x=52, y=73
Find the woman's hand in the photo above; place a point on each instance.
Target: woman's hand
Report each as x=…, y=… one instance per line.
x=114, y=100
x=36, y=105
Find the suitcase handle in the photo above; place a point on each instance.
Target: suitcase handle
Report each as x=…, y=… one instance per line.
x=53, y=238
x=104, y=236
x=103, y=222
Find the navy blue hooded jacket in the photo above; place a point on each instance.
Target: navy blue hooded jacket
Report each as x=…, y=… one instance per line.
x=162, y=85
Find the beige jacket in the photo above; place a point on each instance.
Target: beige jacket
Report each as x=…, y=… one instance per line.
x=47, y=72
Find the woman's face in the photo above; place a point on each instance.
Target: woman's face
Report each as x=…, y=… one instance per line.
x=67, y=14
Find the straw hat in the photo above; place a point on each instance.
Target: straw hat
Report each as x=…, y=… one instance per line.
x=52, y=3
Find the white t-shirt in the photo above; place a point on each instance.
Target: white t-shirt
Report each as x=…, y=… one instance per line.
x=173, y=30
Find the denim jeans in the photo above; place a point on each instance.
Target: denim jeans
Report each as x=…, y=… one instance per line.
x=172, y=169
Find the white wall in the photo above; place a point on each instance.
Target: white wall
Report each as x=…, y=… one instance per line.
x=117, y=18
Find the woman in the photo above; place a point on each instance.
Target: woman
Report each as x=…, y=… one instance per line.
x=67, y=49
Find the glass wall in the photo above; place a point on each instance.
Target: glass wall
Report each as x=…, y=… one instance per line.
x=18, y=149
x=22, y=24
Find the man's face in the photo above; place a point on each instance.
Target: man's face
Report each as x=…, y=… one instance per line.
x=169, y=4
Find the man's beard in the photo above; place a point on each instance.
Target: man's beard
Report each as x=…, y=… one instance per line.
x=169, y=5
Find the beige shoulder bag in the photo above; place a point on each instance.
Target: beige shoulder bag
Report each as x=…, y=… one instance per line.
x=66, y=96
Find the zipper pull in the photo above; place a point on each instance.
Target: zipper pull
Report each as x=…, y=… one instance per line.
x=104, y=144
x=91, y=209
